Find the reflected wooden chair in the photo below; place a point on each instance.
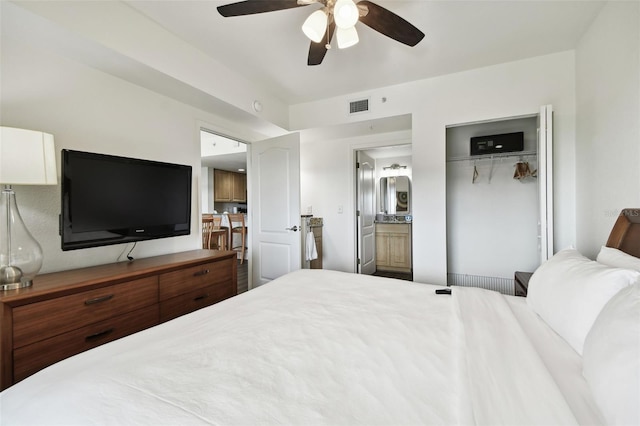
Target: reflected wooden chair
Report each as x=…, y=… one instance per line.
x=237, y=226
x=214, y=236
x=207, y=226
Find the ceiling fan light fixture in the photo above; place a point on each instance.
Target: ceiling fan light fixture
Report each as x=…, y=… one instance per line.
x=347, y=37
x=315, y=26
x=335, y=16
x=345, y=13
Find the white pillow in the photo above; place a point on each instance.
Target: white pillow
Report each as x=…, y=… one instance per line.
x=568, y=291
x=617, y=258
x=611, y=358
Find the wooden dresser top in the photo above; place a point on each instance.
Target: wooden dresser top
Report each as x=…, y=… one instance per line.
x=67, y=282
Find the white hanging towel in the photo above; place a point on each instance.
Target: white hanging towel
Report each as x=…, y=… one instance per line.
x=311, y=252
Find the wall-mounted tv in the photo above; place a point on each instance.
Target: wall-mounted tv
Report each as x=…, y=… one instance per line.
x=111, y=200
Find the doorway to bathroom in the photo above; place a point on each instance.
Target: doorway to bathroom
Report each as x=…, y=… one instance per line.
x=383, y=214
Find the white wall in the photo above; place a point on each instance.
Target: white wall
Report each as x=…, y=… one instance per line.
x=88, y=110
x=507, y=90
x=207, y=203
x=608, y=125
x=111, y=35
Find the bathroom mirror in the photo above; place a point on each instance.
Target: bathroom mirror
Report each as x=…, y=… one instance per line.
x=395, y=194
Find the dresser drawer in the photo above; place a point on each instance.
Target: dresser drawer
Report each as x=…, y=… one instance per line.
x=41, y=320
x=196, y=299
x=175, y=283
x=32, y=358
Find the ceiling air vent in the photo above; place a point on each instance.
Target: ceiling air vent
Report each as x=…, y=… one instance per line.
x=358, y=106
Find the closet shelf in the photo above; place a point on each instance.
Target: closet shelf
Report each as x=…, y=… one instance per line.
x=493, y=156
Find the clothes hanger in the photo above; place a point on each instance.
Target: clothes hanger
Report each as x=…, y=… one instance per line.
x=491, y=170
x=475, y=172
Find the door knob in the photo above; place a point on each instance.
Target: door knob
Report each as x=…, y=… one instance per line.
x=294, y=228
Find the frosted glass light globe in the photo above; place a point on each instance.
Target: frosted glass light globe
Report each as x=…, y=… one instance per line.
x=347, y=37
x=315, y=26
x=345, y=13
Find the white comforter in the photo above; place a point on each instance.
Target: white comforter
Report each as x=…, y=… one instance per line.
x=313, y=347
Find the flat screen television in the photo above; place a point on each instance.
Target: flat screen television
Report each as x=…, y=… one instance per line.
x=110, y=200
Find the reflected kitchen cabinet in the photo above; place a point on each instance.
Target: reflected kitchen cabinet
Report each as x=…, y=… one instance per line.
x=229, y=186
x=239, y=187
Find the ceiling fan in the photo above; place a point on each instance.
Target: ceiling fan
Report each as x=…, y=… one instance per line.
x=321, y=25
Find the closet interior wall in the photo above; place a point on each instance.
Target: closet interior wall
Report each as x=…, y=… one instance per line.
x=492, y=218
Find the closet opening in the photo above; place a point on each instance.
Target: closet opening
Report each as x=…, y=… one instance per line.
x=496, y=199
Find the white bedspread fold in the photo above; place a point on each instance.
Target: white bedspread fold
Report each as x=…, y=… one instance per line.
x=508, y=381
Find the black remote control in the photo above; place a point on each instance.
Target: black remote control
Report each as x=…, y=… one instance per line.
x=443, y=291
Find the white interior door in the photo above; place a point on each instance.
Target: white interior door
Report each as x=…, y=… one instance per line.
x=366, y=184
x=545, y=181
x=275, y=208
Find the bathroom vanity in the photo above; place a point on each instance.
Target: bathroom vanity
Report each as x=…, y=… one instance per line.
x=393, y=246
x=393, y=225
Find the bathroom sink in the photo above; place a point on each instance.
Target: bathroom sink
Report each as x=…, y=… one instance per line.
x=393, y=219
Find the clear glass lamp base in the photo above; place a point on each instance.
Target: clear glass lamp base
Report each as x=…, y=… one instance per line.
x=20, y=253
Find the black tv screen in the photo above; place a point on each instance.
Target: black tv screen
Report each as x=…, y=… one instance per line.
x=110, y=200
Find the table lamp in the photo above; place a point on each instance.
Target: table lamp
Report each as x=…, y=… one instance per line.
x=27, y=157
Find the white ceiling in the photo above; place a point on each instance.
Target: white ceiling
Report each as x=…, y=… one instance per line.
x=271, y=50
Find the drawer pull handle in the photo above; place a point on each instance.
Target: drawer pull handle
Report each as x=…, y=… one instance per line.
x=199, y=298
x=200, y=273
x=99, y=335
x=98, y=299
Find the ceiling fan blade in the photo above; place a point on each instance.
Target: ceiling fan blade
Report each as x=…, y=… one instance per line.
x=390, y=24
x=250, y=7
x=318, y=50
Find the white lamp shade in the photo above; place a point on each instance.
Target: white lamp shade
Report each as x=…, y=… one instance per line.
x=315, y=26
x=347, y=37
x=345, y=13
x=27, y=157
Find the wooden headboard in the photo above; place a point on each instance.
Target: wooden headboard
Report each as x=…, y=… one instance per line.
x=625, y=235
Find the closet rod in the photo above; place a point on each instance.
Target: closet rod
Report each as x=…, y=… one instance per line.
x=493, y=156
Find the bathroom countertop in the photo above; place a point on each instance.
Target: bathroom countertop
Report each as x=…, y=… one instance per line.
x=393, y=222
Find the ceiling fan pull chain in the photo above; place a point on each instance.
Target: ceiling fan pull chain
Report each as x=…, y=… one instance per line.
x=328, y=45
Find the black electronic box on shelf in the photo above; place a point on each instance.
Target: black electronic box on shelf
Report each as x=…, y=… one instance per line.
x=493, y=144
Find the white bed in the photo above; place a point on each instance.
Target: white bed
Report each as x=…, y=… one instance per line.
x=331, y=348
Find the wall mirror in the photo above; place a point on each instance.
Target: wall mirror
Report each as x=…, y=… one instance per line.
x=395, y=194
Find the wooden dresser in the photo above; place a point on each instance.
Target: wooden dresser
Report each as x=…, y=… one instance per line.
x=65, y=313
